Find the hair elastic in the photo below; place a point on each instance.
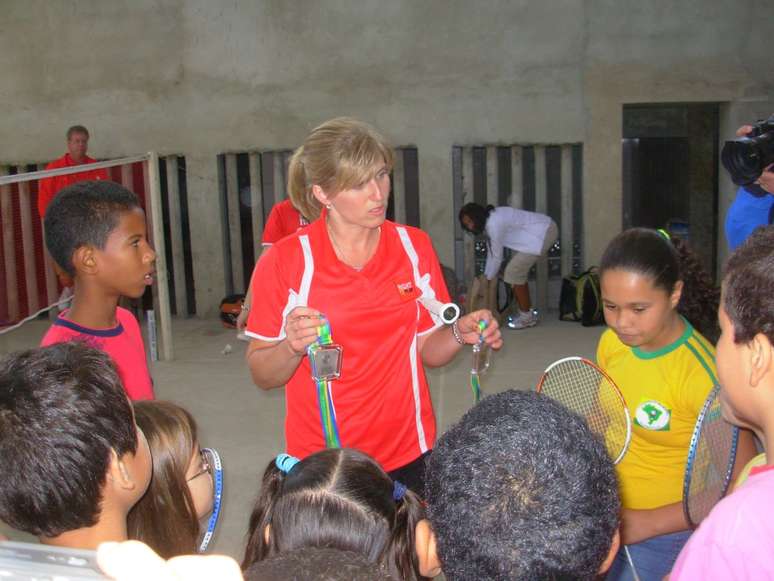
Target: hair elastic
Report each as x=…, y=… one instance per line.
x=285, y=462
x=664, y=234
x=398, y=490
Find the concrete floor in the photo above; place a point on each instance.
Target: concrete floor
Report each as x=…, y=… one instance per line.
x=245, y=424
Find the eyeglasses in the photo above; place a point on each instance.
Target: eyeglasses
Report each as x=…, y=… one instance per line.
x=206, y=466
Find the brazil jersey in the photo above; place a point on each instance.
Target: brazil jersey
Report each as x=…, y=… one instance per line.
x=664, y=391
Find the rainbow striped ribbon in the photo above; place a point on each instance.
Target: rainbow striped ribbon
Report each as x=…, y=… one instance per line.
x=324, y=398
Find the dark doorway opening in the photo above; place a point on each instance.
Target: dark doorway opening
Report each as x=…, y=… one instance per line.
x=670, y=166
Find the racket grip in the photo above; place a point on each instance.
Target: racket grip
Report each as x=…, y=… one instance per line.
x=447, y=312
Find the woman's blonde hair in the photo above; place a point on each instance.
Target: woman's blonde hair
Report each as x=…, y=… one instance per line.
x=165, y=517
x=339, y=154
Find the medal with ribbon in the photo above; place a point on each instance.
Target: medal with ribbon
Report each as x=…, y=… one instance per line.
x=325, y=359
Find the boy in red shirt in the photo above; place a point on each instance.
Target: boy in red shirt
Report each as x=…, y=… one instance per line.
x=95, y=232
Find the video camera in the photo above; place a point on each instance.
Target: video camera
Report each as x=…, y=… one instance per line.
x=746, y=158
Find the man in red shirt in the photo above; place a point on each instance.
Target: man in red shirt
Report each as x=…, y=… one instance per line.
x=77, y=145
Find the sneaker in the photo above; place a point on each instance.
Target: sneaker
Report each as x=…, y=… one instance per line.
x=522, y=321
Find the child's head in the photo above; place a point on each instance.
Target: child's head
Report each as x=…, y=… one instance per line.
x=339, y=499
x=313, y=564
x=521, y=489
x=69, y=447
x=97, y=228
x=473, y=217
x=180, y=494
x=746, y=313
x=646, y=280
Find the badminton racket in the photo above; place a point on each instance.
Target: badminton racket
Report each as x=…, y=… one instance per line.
x=582, y=387
x=481, y=358
x=711, y=457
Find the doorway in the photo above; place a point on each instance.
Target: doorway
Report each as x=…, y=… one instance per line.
x=670, y=172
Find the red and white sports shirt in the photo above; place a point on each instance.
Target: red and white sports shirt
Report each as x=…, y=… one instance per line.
x=382, y=400
x=283, y=221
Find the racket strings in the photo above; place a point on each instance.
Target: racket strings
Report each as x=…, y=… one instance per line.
x=584, y=389
x=711, y=465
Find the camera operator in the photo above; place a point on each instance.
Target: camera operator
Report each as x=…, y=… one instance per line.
x=753, y=205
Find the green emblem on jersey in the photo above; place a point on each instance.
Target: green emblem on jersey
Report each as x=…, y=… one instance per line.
x=653, y=415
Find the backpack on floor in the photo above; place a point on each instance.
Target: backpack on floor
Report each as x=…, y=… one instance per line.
x=230, y=307
x=581, y=299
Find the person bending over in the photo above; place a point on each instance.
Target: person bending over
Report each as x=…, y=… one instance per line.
x=529, y=234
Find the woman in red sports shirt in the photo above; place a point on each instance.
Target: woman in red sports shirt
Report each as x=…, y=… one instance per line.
x=364, y=276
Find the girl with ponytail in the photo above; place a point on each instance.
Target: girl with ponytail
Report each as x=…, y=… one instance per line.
x=660, y=307
x=337, y=499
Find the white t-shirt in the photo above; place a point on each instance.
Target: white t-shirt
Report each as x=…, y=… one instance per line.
x=519, y=230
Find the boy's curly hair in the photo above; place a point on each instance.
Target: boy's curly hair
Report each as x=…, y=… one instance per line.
x=748, y=286
x=521, y=489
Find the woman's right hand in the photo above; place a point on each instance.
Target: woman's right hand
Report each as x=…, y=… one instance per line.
x=301, y=329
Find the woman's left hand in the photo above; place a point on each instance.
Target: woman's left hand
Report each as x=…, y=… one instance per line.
x=469, y=329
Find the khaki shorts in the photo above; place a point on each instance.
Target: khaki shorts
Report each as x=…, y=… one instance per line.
x=517, y=270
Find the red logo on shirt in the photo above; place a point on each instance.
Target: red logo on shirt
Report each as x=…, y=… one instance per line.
x=407, y=290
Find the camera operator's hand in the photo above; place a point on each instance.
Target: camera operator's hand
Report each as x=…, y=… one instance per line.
x=744, y=130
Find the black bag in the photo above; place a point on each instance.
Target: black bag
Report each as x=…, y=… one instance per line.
x=581, y=299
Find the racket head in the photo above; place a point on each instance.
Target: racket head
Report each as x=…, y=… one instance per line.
x=582, y=387
x=710, y=463
x=216, y=464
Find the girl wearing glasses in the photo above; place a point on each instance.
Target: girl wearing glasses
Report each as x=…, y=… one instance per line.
x=180, y=494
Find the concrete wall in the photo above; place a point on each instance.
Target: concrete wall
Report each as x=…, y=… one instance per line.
x=200, y=78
